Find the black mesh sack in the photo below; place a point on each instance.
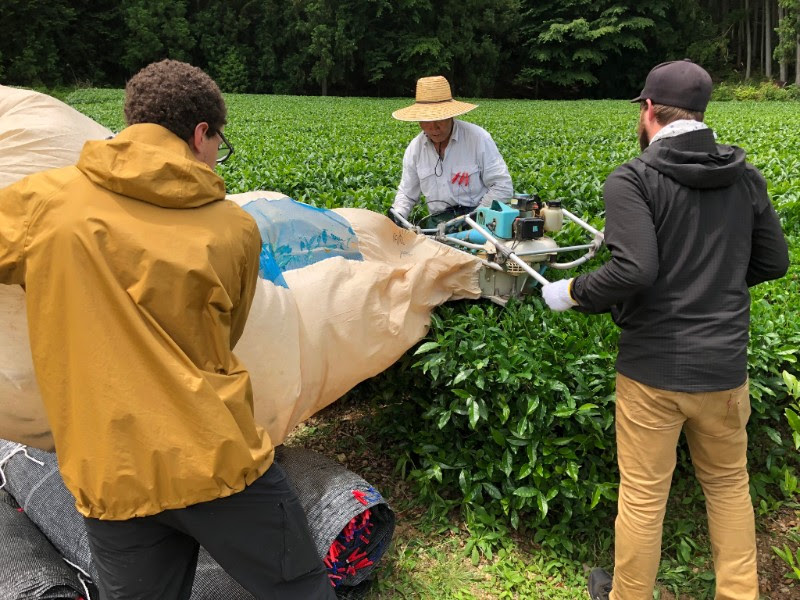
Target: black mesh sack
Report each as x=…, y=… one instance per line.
x=32, y=568
x=350, y=522
x=32, y=478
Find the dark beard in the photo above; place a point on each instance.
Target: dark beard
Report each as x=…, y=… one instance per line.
x=644, y=139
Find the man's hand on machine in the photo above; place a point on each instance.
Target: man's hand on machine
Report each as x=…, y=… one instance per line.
x=558, y=295
x=393, y=216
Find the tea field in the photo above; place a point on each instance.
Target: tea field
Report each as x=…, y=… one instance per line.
x=494, y=438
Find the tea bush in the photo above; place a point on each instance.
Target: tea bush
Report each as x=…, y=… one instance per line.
x=513, y=409
x=793, y=410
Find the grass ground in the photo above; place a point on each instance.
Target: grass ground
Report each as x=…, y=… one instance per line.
x=431, y=558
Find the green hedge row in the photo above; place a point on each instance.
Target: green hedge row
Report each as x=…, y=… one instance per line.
x=766, y=90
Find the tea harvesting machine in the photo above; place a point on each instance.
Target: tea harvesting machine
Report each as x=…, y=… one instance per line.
x=514, y=241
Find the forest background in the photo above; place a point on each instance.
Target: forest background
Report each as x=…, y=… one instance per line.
x=487, y=48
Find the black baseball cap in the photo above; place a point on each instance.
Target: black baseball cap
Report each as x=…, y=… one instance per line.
x=679, y=83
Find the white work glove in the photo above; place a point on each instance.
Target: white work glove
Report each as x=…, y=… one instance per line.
x=557, y=295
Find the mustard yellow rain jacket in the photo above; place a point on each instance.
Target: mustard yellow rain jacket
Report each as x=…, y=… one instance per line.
x=139, y=277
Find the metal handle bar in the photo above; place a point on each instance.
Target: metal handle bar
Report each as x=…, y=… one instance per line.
x=591, y=248
x=506, y=252
x=406, y=223
x=584, y=224
x=416, y=229
x=510, y=254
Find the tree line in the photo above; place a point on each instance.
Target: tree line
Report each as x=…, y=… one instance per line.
x=487, y=48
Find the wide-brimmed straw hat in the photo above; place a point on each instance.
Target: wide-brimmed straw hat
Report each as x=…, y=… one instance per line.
x=434, y=102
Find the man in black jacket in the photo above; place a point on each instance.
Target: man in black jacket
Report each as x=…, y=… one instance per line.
x=690, y=228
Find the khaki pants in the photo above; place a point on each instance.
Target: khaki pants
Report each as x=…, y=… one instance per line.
x=648, y=424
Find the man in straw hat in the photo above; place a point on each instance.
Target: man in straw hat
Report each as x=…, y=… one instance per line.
x=690, y=228
x=454, y=164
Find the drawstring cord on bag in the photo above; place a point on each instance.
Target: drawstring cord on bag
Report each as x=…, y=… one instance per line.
x=83, y=576
x=4, y=462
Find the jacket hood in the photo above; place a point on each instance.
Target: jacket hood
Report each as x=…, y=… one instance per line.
x=150, y=163
x=695, y=160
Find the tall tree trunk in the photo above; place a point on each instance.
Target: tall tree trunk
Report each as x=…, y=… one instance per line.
x=739, y=29
x=723, y=14
x=758, y=35
x=767, y=40
x=797, y=63
x=749, y=38
x=783, y=63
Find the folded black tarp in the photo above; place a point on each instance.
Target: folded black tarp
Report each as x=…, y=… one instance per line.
x=32, y=568
x=351, y=523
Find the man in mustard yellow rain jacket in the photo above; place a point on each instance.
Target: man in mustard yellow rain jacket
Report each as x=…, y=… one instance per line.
x=139, y=277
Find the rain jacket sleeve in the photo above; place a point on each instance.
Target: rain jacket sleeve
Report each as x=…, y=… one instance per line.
x=631, y=237
x=15, y=205
x=249, y=280
x=769, y=255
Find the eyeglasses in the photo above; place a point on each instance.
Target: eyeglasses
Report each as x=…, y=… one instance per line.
x=225, y=149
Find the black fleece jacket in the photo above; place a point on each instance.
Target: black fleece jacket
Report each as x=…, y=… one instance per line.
x=690, y=227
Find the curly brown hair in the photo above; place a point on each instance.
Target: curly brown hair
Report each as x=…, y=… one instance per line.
x=175, y=95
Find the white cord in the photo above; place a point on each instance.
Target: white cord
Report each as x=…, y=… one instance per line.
x=4, y=462
x=81, y=575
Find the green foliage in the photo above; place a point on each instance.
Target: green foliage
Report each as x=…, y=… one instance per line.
x=104, y=106
x=775, y=349
x=567, y=45
x=543, y=576
x=792, y=92
x=515, y=414
x=332, y=30
x=711, y=43
x=790, y=557
x=158, y=29
x=33, y=36
x=766, y=90
x=432, y=565
x=788, y=31
x=793, y=410
x=230, y=73
x=724, y=92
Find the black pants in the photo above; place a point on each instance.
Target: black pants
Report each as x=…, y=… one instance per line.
x=259, y=536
